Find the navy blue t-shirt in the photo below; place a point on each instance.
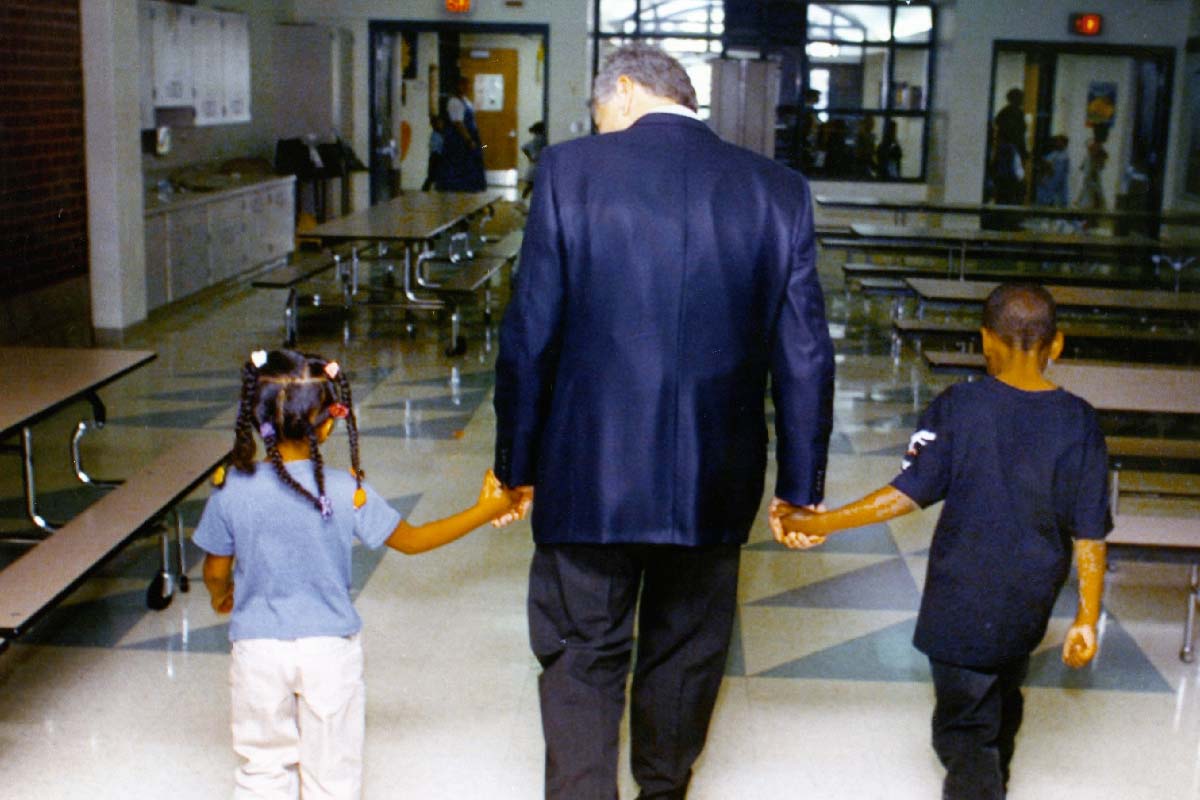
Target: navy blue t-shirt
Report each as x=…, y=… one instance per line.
x=1022, y=473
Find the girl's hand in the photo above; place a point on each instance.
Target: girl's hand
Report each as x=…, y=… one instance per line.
x=494, y=496
x=224, y=603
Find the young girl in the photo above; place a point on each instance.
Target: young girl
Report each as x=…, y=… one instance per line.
x=282, y=532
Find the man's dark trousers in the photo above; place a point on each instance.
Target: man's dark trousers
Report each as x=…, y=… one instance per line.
x=582, y=601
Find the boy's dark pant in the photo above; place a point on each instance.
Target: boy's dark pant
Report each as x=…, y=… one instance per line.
x=975, y=726
x=582, y=600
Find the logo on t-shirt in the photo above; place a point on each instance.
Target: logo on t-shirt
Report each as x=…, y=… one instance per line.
x=917, y=441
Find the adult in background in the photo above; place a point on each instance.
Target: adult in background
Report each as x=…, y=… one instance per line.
x=462, y=150
x=664, y=275
x=1009, y=155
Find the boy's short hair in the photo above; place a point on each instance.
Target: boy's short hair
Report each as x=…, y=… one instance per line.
x=1022, y=314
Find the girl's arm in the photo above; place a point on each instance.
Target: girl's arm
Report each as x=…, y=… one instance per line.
x=493, y=501
x=1080, y=645
x=879, y=506
x=218, y=579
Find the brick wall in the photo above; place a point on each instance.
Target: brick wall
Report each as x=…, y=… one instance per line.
x=43, y=203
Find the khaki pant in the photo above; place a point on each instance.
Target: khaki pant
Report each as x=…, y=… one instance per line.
x=298, y=712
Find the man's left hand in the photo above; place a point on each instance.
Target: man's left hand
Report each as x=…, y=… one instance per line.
x=520, y=510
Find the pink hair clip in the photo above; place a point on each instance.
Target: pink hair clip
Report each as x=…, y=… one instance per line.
x=332, y=369
x=339, y=410
x=266, y=430
x=258, y=358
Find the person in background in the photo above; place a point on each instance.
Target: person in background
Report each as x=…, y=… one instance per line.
x=864, y=148
x=1055, y=173
x=1091, y=192
x=1022, y=467
x=889, y=155
x=437, y=143
x=1009, y=151
x=533, y=151
x=462, y=154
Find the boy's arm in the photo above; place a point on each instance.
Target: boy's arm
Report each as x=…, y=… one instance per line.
x=1080, y=645
x=879, y=506
x=493, y=501
x=218, y=579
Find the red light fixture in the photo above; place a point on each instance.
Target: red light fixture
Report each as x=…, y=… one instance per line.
x=458, y=6
x=1087, y=24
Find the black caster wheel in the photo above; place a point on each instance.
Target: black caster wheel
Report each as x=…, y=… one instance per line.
x=160, y=592
x=457, y=348
x=487, y=318
x=185, y=585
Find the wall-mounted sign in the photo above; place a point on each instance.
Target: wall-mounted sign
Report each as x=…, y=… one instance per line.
x=489, y=92
x=458, y=6
x=1086, y=24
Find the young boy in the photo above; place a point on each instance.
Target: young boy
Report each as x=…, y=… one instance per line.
x=1022, y=467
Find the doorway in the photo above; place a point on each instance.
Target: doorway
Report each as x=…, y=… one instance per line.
x=505, y=67
x=1097, y=114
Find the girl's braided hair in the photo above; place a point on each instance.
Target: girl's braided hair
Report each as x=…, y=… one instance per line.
x=287, y=395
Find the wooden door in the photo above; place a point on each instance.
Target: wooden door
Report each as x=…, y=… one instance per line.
x=492, y=74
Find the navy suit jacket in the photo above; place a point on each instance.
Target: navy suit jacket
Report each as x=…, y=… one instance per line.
x=664, y=274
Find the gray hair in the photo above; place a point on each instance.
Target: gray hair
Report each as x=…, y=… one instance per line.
x=657, y=72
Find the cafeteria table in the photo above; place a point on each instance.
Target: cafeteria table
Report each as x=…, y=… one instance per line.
x=39, y=382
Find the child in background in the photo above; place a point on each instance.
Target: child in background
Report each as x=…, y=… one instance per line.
x=1055, y=173
x=282, y=531
x=1022, y=467
x=437, y=143
x=533, y=151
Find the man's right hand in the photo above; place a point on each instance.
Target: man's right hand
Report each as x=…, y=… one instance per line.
x=520, y=510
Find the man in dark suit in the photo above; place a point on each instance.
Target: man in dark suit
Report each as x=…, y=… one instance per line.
x=663, y=276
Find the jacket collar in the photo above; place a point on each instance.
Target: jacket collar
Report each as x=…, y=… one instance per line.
x=676, y=120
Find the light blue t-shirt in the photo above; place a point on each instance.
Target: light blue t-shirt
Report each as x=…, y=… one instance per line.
x=291, y=567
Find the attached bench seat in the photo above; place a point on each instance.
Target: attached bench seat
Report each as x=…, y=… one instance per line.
x=905, y=247
x=51, y=569
x=507, y=248
x=1151, y=345
x=865, y=269
x=1166, y=539
x=460, y=283
x=304, y=267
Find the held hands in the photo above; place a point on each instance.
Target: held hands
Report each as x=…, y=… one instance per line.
x=795, y=537
x=1080, y=645
x=522, y=502
x=496, y=497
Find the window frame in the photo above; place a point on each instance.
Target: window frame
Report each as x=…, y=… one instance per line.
x=768, y=45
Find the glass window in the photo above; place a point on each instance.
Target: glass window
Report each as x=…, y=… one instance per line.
x=849, y=23
x=914, y=24
x=854, y=79
x=682, y=16
x=909, y=79
x=618, y=16
x=851, y=76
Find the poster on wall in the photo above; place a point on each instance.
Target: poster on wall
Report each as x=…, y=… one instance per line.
x=1192, y=179
x=1101, y=107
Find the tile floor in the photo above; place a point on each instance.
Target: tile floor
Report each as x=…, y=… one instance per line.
x=824, y=699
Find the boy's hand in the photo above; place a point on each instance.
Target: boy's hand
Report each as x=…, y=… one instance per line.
x=796, y=535
x=1080, y=645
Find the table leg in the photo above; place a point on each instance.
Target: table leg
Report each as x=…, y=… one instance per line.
x=30, y=482
x=99, y=417
x=1187, y=652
